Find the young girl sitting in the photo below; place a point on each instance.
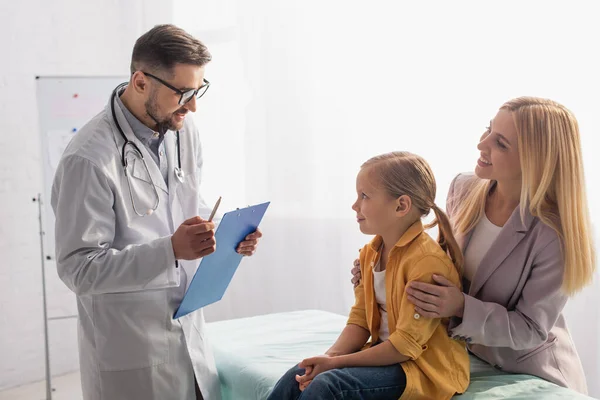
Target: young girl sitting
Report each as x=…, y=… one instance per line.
x=409, y=356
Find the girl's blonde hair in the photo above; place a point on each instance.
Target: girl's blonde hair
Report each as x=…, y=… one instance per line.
x=404, y=173
x=552, y=188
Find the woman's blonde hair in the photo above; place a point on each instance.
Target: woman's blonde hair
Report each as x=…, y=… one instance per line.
x=552, y=188
x=404, y=173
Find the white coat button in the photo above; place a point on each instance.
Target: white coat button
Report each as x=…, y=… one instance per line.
x=417, y=316
x=161, y=154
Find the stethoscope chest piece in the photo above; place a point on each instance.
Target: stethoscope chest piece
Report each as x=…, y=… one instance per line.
x=179, y=174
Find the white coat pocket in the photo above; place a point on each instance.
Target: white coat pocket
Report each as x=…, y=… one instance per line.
x=130, y=329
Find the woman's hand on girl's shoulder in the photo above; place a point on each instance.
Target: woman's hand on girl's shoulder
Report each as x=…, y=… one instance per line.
x=356, y=276
x=443, y=300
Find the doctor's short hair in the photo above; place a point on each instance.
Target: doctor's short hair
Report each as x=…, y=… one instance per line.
x=164, y=46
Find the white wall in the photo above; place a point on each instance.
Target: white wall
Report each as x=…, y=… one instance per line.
x=59, y=37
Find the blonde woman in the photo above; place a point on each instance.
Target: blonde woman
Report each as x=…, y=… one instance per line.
x=522, y=223
x=408, y=357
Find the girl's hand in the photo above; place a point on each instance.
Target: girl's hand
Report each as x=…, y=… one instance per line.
x=443, y=300
x=314, y=366
x=304, y=385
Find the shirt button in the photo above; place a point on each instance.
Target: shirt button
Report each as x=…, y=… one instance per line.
x=155, y=135
x=417, y=316
x=161, y=154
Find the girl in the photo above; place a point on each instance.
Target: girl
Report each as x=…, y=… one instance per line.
x=409, y=356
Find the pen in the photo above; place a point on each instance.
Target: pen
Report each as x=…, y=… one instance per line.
x=214, y=210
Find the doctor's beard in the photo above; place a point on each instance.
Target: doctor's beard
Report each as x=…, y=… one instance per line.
x=165, y=123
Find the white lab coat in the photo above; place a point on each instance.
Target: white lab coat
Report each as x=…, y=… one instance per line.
x=122, y=268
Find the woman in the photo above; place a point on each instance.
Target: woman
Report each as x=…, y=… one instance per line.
x=522, y=223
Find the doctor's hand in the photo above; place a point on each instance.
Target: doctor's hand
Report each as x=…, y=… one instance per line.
x=195, y=238
x=248, y=246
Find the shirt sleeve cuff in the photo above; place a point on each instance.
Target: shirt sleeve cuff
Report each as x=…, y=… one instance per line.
x=355, y=320
x=461, y=328
x=173, y=269
x=406, y=345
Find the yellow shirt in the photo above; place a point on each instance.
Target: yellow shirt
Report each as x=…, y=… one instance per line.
x=438, y=366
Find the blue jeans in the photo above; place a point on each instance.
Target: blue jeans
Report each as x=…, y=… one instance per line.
x=359, y=383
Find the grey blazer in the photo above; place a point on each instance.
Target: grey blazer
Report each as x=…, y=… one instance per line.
x=513, y=309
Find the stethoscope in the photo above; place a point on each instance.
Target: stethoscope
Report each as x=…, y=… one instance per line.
x=178, y=171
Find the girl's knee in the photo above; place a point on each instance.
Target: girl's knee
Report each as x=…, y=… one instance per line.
x=287, y=386
x=295, y=370
x=323, y=384
x=291, y=373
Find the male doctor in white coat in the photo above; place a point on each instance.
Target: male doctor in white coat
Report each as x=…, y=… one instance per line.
x=129, y=232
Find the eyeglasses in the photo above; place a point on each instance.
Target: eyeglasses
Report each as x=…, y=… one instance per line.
x=185, y=95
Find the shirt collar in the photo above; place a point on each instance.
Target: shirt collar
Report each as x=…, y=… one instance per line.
x=407, y=237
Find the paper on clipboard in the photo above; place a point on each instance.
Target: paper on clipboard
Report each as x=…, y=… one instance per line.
x=216, y=270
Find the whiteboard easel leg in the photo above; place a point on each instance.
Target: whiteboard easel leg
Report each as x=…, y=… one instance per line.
x=45, y=308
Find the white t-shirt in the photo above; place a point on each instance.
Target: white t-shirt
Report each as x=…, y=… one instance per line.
x=379, y=284
x=484, y=234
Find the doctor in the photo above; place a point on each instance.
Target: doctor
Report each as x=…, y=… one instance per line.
x=129, y=234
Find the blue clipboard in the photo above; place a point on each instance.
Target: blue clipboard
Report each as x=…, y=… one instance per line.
x=217, y=269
